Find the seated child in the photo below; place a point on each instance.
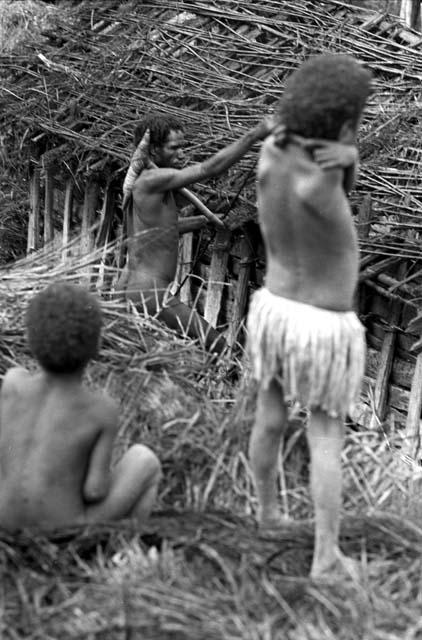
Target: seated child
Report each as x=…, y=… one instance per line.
x=56, y=436
x=306, y=343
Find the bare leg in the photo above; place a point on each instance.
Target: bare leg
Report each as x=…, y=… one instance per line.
x=270, y=424
x=133, y=488
x=325, y=438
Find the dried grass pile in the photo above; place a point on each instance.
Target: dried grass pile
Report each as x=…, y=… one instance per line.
x=198, y=570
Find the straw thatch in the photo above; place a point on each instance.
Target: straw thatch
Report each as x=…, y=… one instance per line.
x=75, y=91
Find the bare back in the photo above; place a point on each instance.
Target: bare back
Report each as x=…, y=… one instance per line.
x=305, y=218
x=47, y=436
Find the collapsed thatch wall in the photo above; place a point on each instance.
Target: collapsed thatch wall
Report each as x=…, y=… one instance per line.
x=70, y=101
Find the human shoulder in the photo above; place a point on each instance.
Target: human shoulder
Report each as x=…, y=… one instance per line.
x=14, y=379
x=105, y=409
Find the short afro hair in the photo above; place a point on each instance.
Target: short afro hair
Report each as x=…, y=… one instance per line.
x=159, y=128
x=64, y=324
x=324, y=93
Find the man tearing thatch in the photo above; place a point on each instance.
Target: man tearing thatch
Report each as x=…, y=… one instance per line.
x=153, y=220
x=305, y=341
x=56, y=437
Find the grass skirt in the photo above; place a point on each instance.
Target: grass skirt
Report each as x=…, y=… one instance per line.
x=317, y=355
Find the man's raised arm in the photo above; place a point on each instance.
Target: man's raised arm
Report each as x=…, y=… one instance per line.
x=166, y=179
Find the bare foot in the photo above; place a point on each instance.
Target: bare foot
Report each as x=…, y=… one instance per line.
x=338, y=568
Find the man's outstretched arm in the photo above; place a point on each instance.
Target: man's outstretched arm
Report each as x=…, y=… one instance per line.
x=166, y=179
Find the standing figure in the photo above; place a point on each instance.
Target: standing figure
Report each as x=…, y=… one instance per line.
x=56, y=436
x=153, y=234
x=305, y=341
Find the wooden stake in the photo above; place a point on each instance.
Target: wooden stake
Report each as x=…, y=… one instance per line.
x=185, y=266
x=106, y=217
x=386, y=359
x=67, y=214
x=34, y=215
x=88, y=216
x=364, y=217
x=217, y=275
x=241, y=291
x=412, y=429
x=48, y=206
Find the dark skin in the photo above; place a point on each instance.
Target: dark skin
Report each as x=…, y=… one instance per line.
x=153, y=229
x=56, y=443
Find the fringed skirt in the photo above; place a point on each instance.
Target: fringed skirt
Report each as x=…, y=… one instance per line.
x=318, y=356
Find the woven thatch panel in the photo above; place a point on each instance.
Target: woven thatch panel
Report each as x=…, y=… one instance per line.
x=80, y=87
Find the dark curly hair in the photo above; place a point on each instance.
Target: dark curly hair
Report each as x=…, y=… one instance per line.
x=64, y=326
x=322, y=94
x=159, y=127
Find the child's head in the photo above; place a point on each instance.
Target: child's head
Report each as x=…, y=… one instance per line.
x=323, y=94
x=64, y=326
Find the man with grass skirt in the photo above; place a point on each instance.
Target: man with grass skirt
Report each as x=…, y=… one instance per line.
x=154, y=180
x=307, y=345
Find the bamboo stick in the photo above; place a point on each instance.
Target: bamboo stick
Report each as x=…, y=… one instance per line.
x=34, y=214
x=217, y=276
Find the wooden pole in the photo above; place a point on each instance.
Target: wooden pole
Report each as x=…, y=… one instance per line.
x=185, y=266
x=48, y=205
x=88, y=216
x=363, y=227
x=386, y=359
x=217, y=276
x=106, y=216
x=410, y=13
x=67, y=215
x=413, y=420
x=34, y=214
x=241, y=291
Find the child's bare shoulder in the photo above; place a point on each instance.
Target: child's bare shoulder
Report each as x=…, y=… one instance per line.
x=106, y=409
x=14, y=378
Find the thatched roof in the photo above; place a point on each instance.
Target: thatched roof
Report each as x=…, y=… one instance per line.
x=76, y=89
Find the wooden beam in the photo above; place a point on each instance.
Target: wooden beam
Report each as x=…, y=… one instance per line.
x=191, y=223
x=217, y=276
